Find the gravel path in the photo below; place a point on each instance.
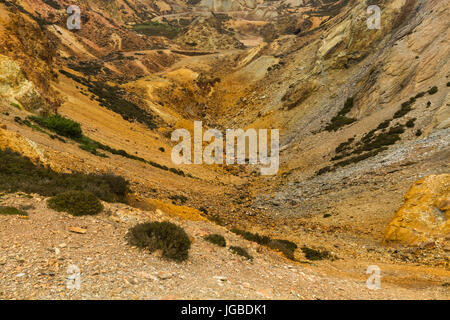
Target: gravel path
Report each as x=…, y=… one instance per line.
x=36, y=253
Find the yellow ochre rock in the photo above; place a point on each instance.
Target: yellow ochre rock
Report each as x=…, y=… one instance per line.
x=15, y=142
x=424, y=216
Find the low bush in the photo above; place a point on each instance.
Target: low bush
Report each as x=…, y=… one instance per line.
x=10, y=211
x=344, y=145
x=165, y=236
x=410, y=123
x=18, y=173
x=241, y=251
x=154, y=28
x=340, y=120
x=15, y=105
x=61, y=125
x=178, y=199
x=348, y=105
x=77, y=203
x=405, y=109
x=216, y=219
x=216, y=239
x=64, y=126
x=420, y=95
x=313, y=254
x=433, y=90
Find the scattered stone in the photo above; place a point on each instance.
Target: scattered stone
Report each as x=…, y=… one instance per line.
x=77, y=230
x=220, y=278
x=164, y=275
x=266, y=293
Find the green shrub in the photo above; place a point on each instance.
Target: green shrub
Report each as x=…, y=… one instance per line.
x=216, y=239
x=216, y=219
x=383, y=125
x=344, y=145
x=154, y=28
x=77, y=203
x=18, y=173
x=15, y=105
x=313, y=254
x=340, y=120
x=420, y=95
x=348, y=105
x=241, y=251
x=405, y=109
x=433, y=90
x=165, y=236
x=53, y=4
x=9, y=211
x=178, y=199
x=286, y=247
x=324, y=170
x=410, y=123
x=61, y=125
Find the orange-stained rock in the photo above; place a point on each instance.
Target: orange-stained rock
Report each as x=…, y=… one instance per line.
x=15, y=142
x=424, y=216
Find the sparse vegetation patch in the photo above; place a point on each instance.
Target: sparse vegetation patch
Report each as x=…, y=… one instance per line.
x=314, y=254
x=165, y=236
x=59, y=124
x=154, y=28
x=217, y=239
x=241, y=251
x=433, y=90
x=18, y=173
x=340, y=120
x=373, y=142
x=112, y=98
x=72, y=129
x=77, y=203
x=286, y=247
x=10, y=211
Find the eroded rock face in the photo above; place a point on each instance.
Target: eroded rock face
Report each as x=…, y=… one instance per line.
x=424, y=217
x=15, y=87
x=208, y=34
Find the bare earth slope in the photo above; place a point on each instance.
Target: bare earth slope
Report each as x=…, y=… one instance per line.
x=341, y=179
